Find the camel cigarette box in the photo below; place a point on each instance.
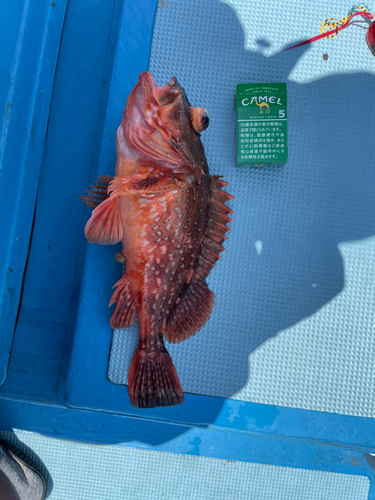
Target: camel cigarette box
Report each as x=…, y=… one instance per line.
x=262, y=124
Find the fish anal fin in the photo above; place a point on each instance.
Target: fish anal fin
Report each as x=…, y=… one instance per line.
x=104, y=226
x=124, y=313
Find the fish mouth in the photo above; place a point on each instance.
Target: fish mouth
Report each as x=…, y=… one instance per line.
x=160, y=96
x=153, y=99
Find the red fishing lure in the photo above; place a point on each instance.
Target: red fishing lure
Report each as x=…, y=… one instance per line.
x=330, y=27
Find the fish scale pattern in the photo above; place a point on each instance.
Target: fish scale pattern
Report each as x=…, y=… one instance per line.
x=293, y=324
x=96, y=472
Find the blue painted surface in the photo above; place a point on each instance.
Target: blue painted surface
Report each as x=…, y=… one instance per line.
x=55, y=261
x=101, y=270
x=230, y=445
x=29, y=41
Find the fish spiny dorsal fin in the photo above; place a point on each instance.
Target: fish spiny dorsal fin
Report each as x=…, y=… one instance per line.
x=195, y=302
x=216, y=226
x=124, y=313
x=98, y=192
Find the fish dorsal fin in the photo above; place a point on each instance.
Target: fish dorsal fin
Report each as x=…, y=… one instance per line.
x=124, y=313
x=194, y=304
x=104, y=225
x=98, y=192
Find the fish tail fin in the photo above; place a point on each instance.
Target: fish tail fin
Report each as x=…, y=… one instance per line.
x=153, y=380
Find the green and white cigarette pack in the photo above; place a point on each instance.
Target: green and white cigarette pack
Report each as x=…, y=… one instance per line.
x=262, y=124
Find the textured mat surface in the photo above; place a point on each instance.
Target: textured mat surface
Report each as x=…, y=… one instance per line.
x=292, y=325
x=92, y=472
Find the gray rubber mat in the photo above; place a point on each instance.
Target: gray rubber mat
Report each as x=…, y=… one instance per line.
x=293, y=322
x=91, y=472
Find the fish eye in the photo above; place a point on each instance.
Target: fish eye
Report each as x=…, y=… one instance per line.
x=205, y=119
x=200, y=119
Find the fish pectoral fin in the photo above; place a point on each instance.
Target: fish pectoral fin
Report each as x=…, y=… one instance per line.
x=124, y=313
x=98, y=192
x=151, y=183
x=191, y=312
x=104, y=225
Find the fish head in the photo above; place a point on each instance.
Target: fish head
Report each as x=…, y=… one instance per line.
x=164, y=129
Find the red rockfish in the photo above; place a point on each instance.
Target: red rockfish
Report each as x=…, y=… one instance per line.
x=171, y=218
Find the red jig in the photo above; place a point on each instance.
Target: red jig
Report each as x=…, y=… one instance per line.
x=330, y=27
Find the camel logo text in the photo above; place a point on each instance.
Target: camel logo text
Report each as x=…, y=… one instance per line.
x=261, y=100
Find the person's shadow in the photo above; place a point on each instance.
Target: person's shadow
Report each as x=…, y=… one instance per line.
x=299, y=212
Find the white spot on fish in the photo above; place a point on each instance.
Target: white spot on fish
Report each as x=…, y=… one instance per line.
x=179, y=199
x=158, y=281
x=314, y=285
x=166, y=238
x=188, y=190
x=158, y=233
x=143, y=233
x=158, y=240
x=155, y=228
x=258, y=247
x=168, y=227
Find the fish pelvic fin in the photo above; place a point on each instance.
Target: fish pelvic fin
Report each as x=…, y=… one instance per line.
x=191, y=312
x=124, y=313
x=104, y=225
x=98, y=192
x=153, y=380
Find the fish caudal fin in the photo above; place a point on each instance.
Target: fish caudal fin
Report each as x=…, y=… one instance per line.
x=153, y=380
